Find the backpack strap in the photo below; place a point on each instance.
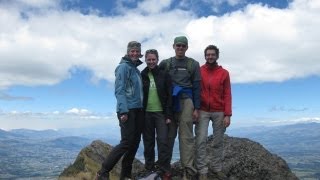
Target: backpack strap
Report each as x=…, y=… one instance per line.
x=189, y=64
x=169, y=64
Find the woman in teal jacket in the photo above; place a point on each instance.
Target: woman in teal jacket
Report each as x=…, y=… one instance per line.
x=129, y=95
x=128, y=86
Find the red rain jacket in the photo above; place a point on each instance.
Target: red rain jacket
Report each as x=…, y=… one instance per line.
x=215, y=90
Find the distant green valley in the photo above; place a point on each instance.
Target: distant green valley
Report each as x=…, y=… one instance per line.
x=44, y=154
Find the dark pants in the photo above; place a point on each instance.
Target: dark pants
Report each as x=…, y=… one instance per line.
x=130, y=138
x=155, y=125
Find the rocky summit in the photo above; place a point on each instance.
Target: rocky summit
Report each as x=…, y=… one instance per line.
x=243, y=160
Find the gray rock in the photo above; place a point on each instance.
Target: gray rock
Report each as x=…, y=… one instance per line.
x=244, y=159
x=89, y=161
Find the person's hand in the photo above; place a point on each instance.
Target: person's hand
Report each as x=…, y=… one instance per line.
x=123, y=117
x=195, y=116
x=226, y=121
x=168, y=121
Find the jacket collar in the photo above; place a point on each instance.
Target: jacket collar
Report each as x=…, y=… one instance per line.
x=212, y=66
x=126, y=59
x=155, y=70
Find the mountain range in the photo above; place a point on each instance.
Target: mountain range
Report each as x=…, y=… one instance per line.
x=45, y=154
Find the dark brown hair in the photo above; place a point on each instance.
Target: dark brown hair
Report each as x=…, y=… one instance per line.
x=212, y=47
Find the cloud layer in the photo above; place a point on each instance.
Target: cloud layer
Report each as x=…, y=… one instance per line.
x=40, y=42
x=73, y=118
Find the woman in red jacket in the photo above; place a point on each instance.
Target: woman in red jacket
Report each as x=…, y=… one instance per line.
x=215, y=106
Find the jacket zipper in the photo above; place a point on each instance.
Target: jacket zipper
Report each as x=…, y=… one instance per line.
x=209, y=84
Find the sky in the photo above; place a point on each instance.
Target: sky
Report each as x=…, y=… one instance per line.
x=57, y=57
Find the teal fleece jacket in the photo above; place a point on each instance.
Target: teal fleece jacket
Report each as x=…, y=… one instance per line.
x=128, y=86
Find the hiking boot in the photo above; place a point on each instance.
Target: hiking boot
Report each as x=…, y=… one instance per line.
x=125, y=178
x=125, y=175
x=102, y=176
x=203, y=177
x=166, y=176
x=186, y=175
x=220, y=175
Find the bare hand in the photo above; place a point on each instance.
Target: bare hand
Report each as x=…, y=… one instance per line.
x=195, y=115
x=226, y=121
x=124, y=118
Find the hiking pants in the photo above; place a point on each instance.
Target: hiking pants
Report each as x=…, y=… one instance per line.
x=130, y=138
x=201, y=131
x=186, y=139
x=156, y=128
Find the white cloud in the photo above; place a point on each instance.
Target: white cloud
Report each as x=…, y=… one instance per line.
x=73, y=118
x=263, y=44
x=14, y=112
x=8, y=97
x=294, y=121
x=56, y=112
x=149, y=6
x=257, y=44
x=39, y=3
x=272, y=121
x=77, y=111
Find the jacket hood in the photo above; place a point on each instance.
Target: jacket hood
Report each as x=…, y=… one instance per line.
x=126, y=59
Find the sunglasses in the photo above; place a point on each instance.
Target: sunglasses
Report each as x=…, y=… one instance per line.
x=152, y=51
x=181, y=45
x=135, y=44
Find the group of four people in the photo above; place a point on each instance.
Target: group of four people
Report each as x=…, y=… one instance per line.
x=165, y=100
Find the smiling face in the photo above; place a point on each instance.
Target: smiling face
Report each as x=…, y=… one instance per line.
x=180, y=50
x=134, y=54
x=151, y=60
x=211, y=56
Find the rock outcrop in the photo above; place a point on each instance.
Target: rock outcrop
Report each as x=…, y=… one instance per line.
x=89, y=161
x=244, y=160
